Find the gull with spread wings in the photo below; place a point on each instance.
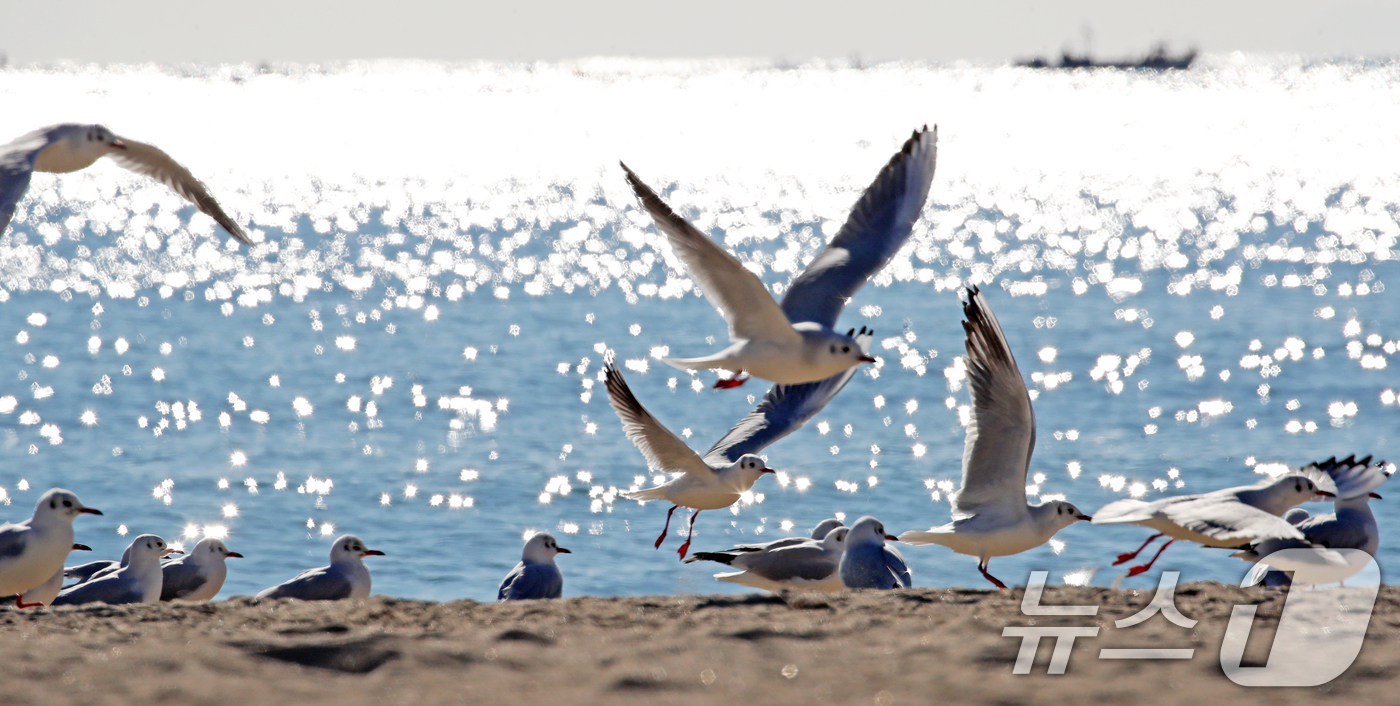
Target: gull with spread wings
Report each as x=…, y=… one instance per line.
x=990, y=514
x=701, y=485
x=71, y=147
x=796, y=342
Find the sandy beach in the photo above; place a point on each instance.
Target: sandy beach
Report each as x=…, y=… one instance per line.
x=907, y=647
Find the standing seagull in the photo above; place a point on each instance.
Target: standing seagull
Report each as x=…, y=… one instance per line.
x=536, y=576
x=32, y=551
x=794, y=562
x=44, y=593
x=137, y=582
x=990, y=514
x=71, y=147
x=346, y=577
x=702, y=485
x=795, y=342
x=197, y=577
x=1230, y=517
x=869, y=563
x=1351, y=524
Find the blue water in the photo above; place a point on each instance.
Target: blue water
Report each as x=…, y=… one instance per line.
x=456, y=245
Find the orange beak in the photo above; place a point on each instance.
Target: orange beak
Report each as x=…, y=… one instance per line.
x=892, y=538
x=372, y=552
x=866, y=359
x=1326, y=494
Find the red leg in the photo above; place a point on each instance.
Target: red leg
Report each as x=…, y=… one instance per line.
x=19, y=601
x=731, y=382
x=982, y=566
x=686, y=547
x=1140, y=569
x=662, y=538
x=1133, y=555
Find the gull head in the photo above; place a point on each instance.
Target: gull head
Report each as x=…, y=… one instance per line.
x=831, y=350
x=542, y=548
x=749, y=468
x=212, y=550
x=59, y=505
x=1066, y=513
x=868, y=530
x=148, y=548
x=99, y=136
x=825, y=527
x=835, y=540
x=349, y=548
x=1295, y=488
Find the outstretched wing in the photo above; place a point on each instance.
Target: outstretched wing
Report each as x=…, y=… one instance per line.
x=877, y=228
x=148, y=160
x=16, y=167
x=740, y=295
x=1229, y=520
x=784, y=409
x=663, y=450
x=1001, y=433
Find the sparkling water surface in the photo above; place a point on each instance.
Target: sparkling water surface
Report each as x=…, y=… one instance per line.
x=1191, y=268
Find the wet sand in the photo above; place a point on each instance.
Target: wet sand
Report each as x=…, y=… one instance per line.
x=916, y=646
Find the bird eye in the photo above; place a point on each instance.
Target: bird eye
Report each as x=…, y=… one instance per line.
x=845, y=349
x=68, y=503
x=833, y=349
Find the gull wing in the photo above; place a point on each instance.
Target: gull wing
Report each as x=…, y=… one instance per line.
x=1353, y=478
x=320, y=584
x=1228, y=520
x=16, y=167
x=180, y=579
x=900, y=568
x=879, y=225
x=1336, y=531
x=1001, y=434
x=531, y=581
x=12, y=539
x=663, y=450
x=113, y=589
x=808, y=561
x=784, y=409
x=738, y=293
x=148, y=160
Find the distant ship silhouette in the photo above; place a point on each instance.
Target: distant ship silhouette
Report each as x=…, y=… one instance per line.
x=1157, y=60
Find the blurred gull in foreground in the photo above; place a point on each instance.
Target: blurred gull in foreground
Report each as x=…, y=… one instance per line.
x=701, y=485
x=346, y=577
x=33, y=550
x=1351, y=525
x=790, y=563
x=990, y=514
x=536, y=576
x=795, y=342
x=1230, y=517
x=71, y=147
x=197, y=577
x=869, y=563
x=138, y=581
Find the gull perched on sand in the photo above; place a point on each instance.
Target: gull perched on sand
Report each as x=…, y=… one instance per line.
x=536, y=576
x=95, y=569
x=790, y=563
x=71, y=147
x=990, y=514
x=1351, y=524
x=32, y=551
x=346, y=577
x=44, y=593
x=870, y=563
x=701, y=485
x=197, y=576
x=1230, y=517
x=796, y=342
x=139, y=581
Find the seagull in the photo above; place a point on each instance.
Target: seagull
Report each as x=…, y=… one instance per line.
x=32, y=551
x=44, y=593
x=1230, y=517
x=71, y=147
x=701, y=485
x=536, y=576
x=197, y=577
x=346, y=577
x=790, y=563
x=795, y=342
x=990, y=514
x=1351, y=525
x=869, y=563
x=139, y=581
x=95, y=569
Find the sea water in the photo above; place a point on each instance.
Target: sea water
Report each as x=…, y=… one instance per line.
x=1194, y=270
